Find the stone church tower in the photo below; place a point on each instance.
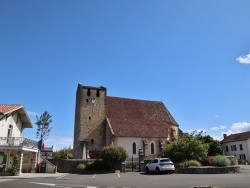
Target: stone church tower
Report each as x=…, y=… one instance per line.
x=89, y=130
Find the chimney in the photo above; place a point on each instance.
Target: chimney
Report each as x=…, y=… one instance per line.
x=224, y=136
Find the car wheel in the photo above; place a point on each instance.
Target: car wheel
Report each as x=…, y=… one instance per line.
x=147, y=170
x=157, y=170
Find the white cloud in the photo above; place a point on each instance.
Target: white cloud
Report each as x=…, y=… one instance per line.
x=59, y=142
x=244, y=59
x=32, y=113
x=215, y=137
x=241, y=127
x=218, y=128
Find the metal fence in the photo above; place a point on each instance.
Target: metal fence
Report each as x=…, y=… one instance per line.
x=132, y=166
x=18, y=141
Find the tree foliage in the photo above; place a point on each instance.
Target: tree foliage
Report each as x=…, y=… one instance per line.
x=186, y=148
x=16, y=165
x=113, y=154
x=214, y=145
x=64, y=153
x=43, y=125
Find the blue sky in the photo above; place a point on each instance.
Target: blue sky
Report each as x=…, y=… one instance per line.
x=194, y=56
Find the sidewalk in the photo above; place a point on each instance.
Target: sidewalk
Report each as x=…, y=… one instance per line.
x=246, y=167
x=35, y=175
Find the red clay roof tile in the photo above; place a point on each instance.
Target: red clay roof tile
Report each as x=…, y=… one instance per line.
x=236, y=137
x=138, y=118
x=6, y=108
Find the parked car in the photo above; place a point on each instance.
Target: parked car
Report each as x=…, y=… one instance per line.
x=159, y=165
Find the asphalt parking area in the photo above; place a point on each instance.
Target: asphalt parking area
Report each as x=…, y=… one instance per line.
x=90, y=176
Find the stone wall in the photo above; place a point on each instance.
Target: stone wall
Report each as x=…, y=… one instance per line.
x=208, y=170
x=70, y=165
x=67, y=165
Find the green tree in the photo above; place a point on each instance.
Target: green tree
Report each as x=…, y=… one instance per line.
x=43, y=125
x=64, y=153
x=113, y=154
x=214, y=145
x=186, y=148
x=16, y=165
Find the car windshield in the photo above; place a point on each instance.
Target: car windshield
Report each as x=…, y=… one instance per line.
x=164, y=160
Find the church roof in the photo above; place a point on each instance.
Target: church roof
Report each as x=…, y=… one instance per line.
x=236, y=137
x=138, y=118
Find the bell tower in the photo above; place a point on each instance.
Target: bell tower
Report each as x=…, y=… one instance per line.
x=89, y=130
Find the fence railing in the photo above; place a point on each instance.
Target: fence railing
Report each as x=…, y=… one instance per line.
x=132, y=165
x=18, y=141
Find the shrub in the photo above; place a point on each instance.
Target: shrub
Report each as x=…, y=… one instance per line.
x=81, y=167
x=97, y=165
x=16, y=165
x=187, y=148
x=206, y=161
x=243, y=162
x=188, y=163
x=112, y=154
x=221, y=161
x=232, y=162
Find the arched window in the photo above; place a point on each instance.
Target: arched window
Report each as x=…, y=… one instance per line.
x=152, y=148
x=134, y=148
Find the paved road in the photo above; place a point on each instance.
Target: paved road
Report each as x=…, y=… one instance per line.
x=133, y=180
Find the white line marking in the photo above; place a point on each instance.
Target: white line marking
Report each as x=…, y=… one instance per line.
x=118, y=175
x=48, y=184
x=94, y=177
x=2, y=180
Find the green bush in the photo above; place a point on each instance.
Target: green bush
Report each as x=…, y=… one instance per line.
x=232, y=162
x=188, y=163
x=16, y=165
x=243, y=162
x=97, y=165
x=185, y=148
x=221, y=161
x=112, y=154
x=81, y=167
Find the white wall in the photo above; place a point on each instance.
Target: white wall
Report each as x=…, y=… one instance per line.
x=127, y=144
x=11, y=120
x=245, y=145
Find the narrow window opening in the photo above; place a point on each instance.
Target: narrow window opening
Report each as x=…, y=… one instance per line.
x=89, y=118
x=88, y=92
x=97, y=93
x=134, y=148
x=152, y=148
x=87, y=100
x=241, y=148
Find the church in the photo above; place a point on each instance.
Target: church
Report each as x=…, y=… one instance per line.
x=134, y=124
